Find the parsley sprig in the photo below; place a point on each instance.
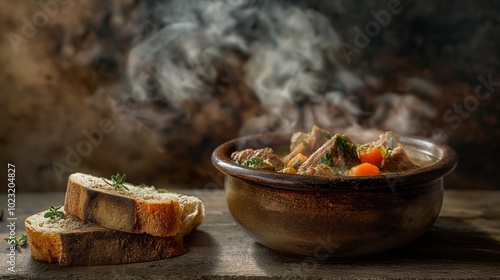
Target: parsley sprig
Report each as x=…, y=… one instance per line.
x=256, y=162
x=117, y=182
x=337, y=171
x=346, y=146
x=54, y=213
x=296, y=164
x=17, y=242
x=327, y=159
x=327, y=135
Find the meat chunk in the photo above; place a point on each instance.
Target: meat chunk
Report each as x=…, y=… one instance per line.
x=397, y=160
x=261, y=159
x=307, y=143
x=338, y=153
x=322, y=170
x=387, y=140
x=298, y=139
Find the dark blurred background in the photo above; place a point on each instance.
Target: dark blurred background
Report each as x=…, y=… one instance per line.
x=149, y=88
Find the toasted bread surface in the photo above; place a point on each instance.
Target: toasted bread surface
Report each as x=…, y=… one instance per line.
x=137, y=210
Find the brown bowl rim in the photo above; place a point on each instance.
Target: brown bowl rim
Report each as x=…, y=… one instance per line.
x=447, y=161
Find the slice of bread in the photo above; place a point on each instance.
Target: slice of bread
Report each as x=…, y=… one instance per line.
x=137, y=210
x=72, y=242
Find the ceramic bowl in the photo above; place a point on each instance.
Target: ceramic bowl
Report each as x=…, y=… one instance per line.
x=322, y=218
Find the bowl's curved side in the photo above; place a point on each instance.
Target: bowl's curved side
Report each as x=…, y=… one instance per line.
x=343, y=216
x=333, y=224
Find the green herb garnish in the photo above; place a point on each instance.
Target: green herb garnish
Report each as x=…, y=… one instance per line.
x=142, y=186
x=17, y=242
x=161, y=190
x=366, y=145
x=304, y=142
x=327, y=135
x=296, y=164
x=337, y=171
x=346, y=146
x=118, y=181
x=54, y=213
x=327, y=159
x=257, y=163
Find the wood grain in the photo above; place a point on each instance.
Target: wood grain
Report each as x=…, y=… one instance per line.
x=463, y=244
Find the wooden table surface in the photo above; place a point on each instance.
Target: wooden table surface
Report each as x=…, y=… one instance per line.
x=464, y=243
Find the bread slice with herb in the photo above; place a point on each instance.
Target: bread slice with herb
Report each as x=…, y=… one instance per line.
x=70, y=241
x=131, y=208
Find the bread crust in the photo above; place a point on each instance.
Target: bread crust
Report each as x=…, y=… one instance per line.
x=116, y=247
x=43, y=246
x=98, y=246
x=123, y=213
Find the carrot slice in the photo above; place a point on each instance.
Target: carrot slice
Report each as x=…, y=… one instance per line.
x=289, y=170
x=373, y=156
x=297, y=161
x=364, y=169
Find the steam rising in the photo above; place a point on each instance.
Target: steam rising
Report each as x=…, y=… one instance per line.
x=278, y=55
